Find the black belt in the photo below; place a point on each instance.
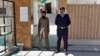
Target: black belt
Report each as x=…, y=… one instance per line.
x=62, y=27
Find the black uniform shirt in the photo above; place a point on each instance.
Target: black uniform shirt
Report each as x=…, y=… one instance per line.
x=62, y=21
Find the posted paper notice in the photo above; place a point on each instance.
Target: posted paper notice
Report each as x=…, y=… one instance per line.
x=24, y=14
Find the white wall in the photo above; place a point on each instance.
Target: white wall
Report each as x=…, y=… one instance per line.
x=83, y=1
x=35, y=11
x=97, y=1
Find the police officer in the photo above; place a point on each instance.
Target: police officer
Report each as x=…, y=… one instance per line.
x=62, y=21
x=43, y=30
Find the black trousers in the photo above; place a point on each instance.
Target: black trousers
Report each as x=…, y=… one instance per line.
x=62, y=33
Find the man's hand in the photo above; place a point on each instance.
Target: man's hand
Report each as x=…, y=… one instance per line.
x=48, y=33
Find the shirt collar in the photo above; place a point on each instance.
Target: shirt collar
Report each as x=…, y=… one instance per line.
x=62, y=15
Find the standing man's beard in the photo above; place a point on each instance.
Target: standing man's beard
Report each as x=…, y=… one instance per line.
x=43, y=17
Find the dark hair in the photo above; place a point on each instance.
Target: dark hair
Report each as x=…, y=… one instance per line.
x=44, y=12
x=62, y=8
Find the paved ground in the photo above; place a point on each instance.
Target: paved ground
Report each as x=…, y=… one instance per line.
x=73, y=51
x=1, y=48
x=51, y=53
x=2, y=53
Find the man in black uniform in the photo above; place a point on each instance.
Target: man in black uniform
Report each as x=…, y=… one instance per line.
x=62, y=21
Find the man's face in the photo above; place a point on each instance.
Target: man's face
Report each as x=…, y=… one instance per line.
x=43, y=14
x=62, y=11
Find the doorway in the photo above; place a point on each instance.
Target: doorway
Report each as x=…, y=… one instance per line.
x=48, y=7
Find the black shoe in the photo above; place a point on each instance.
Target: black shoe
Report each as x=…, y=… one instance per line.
x=57, y=51
x=48, y=49
x=66, y=53
x=39, y=49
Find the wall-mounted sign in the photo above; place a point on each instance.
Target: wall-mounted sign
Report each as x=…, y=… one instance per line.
x=42, y=1
x=24, y=14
